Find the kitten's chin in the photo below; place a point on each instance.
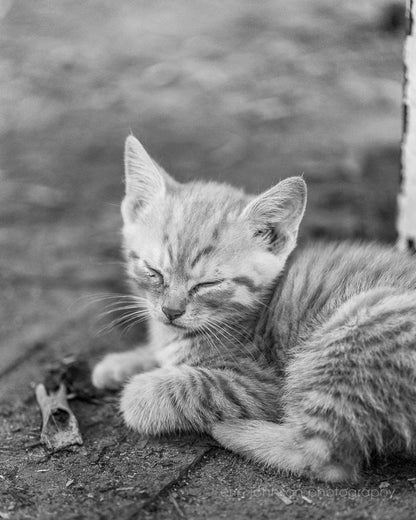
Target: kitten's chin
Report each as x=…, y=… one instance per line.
x=177, y=326
x=173, y=325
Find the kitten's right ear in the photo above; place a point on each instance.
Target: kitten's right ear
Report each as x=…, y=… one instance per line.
x=276, y=214
x=144, y=181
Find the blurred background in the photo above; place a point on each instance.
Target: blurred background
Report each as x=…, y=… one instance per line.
x=243, y=92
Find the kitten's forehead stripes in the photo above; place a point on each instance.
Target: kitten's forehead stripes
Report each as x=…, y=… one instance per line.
x=167, y=246
x=206, y=218
x=203, y=252
x=216, y=233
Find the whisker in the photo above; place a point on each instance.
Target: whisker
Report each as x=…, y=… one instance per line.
x=103, y=296
x=227, y=332
x=118, y=309
x=260, y=302
x=130, y=311
x=111, y=326
x=89, y=300
x=211, y=329
x=133, y=323
x=134, y=314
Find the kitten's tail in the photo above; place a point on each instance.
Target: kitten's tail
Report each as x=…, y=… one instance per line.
x=282, y=446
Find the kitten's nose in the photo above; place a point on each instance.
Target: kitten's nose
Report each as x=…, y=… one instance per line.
x=172, y=314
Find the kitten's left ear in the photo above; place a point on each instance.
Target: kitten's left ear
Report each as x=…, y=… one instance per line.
x=276, y=214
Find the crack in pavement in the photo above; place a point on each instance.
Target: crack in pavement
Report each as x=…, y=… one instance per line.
x=150, y=504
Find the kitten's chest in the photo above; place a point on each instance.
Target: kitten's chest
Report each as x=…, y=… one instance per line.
x=175, y=353
x=171, y=348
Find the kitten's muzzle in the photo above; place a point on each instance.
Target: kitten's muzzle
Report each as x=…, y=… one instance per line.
x=171, y=313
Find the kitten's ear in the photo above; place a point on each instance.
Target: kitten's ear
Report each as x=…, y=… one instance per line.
x=144, y=179
x=275, y=215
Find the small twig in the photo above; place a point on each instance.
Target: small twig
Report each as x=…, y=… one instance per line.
x=176, y=506
x=32, y=445
x=286, y=500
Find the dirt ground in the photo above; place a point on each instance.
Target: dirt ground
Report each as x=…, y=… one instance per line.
x=247, y=92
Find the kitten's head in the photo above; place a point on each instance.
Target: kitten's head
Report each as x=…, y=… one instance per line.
x=203, y=253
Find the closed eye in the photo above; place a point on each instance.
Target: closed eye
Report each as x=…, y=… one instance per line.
x=154, y=273
x=204, y=285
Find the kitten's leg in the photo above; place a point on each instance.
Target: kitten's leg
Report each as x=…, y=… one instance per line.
x=349, y=390
x=112, y=371
x=185, y=398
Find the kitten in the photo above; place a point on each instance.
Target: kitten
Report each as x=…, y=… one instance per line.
x=302, y=360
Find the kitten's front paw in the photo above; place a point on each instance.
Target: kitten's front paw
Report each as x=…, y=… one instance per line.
x=115, y=369
x=146, y=405
x=107, y=374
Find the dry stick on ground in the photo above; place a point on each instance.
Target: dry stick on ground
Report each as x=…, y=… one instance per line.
x=406, y=223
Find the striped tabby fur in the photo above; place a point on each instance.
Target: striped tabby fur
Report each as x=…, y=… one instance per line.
x=305, y=362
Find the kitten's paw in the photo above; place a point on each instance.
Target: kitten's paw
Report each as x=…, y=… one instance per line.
x=146, y=405
x=115, y=369
x=108, y=374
